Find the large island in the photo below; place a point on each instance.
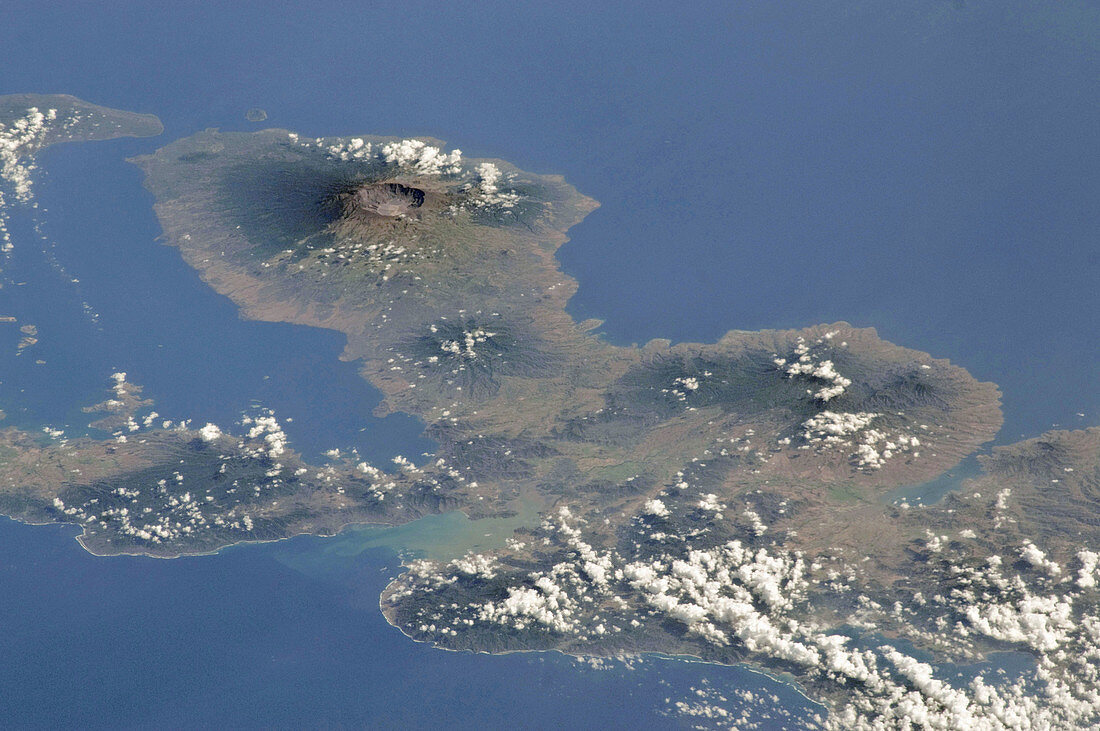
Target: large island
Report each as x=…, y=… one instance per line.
x=724, y=500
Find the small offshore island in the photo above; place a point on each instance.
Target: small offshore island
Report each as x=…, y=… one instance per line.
x=724, y=501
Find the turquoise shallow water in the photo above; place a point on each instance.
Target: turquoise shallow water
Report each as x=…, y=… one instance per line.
x=925, y=170
x=436, y=537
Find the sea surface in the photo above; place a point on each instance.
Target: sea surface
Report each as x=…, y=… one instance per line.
x=924, y=168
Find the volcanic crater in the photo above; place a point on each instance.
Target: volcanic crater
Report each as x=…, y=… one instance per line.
x=384, y=200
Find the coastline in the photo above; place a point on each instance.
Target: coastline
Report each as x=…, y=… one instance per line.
x=789, y=682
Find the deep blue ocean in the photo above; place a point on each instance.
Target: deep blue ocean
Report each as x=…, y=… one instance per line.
x=926, y=168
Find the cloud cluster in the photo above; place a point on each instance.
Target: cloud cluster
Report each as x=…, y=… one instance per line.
x=708, y=706
x=411, y=154
x=683, y=386
x=807, y=362
x=353, y=149
x=177, y=507
x=872, y=447
x=422, y=157
x=19, y=140
x=267, y=428
x=831, y=427
x=763, y=600
x=210, y=432
x=467, y=346
x=656, y=508
x=487, y=192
